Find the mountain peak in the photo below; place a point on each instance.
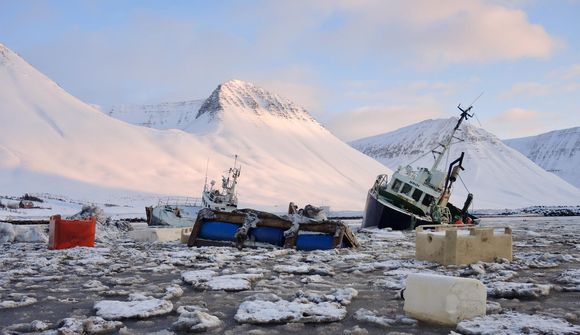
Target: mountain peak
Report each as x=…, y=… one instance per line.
x=6, y=54
x=246, y=97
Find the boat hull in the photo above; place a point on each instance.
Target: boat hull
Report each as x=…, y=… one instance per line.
x=384, y=215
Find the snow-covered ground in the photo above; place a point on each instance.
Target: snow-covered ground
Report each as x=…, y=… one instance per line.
x=165, y=288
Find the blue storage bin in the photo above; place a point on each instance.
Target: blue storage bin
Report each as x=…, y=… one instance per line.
x=269, y=235
x=218, y=231
x=314, y=242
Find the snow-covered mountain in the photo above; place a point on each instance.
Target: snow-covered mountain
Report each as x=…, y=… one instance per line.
x=291, y=153
x=499, y=176
x=169, y=115
x=557, y=151
x=52, y=142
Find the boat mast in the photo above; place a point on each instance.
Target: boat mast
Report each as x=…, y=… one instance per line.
x=447, y=144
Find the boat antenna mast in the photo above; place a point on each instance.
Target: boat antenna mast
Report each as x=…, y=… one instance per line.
x=463, y=116
x=205, y=181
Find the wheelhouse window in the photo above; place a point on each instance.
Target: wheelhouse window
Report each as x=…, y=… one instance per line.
x=406, y=189
x=396, y=185
x=417, y=194
x=427, y=200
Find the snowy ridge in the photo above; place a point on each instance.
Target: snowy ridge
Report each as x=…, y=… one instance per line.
x=557, y=151
x=169, y=115
x=499, y=176
x=51, y=142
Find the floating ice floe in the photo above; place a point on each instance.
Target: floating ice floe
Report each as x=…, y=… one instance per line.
x=234, y=282
x=384, y=234
x=266, y=309
x=295, y=269
x=365, y=315
x=195, y=319
x=7, y=232
x=32, y=327
x=197, y=276
x=302, y=269
x=91, y=325
x=511, y=290
x=516, y=323
x=570, y=278
x=127, y=281
x=343, y=296
x=543, y=260
x=492, y=307
x=17, y=300
x=313, y=279
x=94, y=286
x=139, y=307
x=30, y=234
x=209, y=279
x=173, y=291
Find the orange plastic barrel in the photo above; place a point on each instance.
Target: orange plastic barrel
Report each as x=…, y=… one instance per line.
x=63, y=234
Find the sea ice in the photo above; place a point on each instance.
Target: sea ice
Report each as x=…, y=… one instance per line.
x=32, y=327
x=173, y=291
x=94, y=286
x=140, y=309
x=282, y=311
x=233, y=282
x=516, y=323
x=366, y=315
x=30, y=234
x=7, y=232
x=571, y=278
x=517, y=290
x=343, y=296
x=197, y=276
x=228, y=283
x=17, y=300
x=295, y=269
x=492, y=307
x=195, y=319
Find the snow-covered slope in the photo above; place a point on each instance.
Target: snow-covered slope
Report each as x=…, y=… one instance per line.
x=52, y=142
x=169, y=115
x=556, y=151
x=499, y=176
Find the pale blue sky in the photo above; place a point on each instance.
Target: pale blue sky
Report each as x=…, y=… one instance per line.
x=360, y=67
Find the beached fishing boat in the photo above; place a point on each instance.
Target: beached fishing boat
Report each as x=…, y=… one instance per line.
x=419, y=196
x=251, y=228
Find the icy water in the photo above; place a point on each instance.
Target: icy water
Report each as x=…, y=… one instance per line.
x=54, y=285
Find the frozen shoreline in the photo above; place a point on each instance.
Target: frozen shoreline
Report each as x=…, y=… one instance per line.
x=56, y=285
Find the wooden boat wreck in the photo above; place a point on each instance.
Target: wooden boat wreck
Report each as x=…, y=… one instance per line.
x=251, y=228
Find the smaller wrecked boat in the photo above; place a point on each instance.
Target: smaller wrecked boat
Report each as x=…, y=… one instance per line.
x=225, y=199
x=251, y=228
x=174, y=213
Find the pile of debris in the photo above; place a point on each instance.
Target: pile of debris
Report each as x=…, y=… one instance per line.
x=107, y=229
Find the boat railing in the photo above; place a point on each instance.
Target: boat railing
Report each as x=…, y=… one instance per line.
x=180, y=201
